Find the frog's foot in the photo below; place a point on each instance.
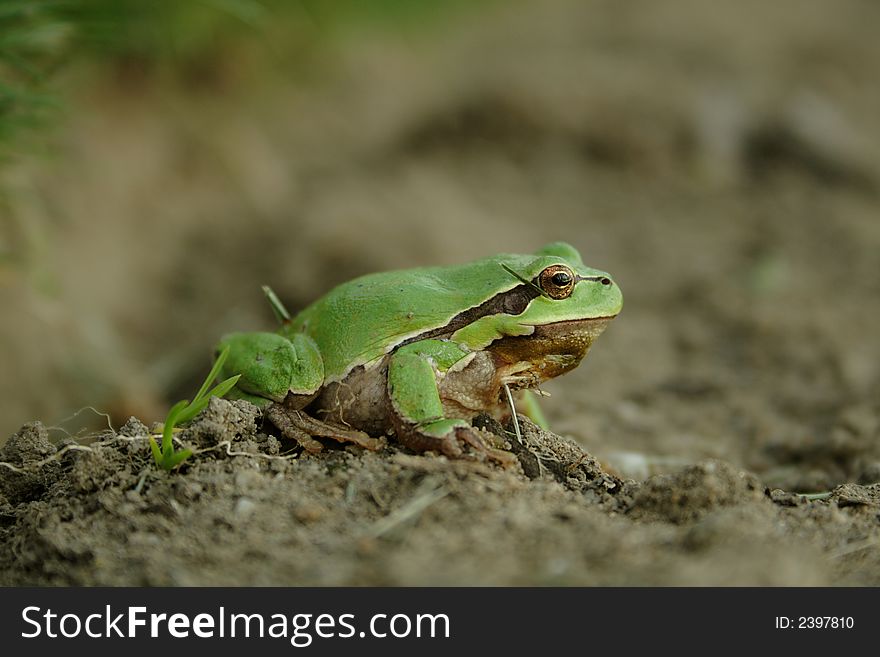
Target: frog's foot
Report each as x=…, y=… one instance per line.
x=448, y=437
x=299, y=427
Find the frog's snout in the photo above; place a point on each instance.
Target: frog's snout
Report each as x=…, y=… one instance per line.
x=613, y=297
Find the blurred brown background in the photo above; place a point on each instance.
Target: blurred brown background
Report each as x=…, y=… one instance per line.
x=721, y=160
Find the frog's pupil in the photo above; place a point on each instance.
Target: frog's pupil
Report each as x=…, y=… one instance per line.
x=561, y=279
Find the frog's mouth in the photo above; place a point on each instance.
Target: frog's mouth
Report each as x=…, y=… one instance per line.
x=550, y=351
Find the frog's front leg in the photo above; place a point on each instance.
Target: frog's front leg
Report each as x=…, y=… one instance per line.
x=419, y=420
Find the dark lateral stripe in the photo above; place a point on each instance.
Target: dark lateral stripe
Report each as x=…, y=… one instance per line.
x=599, y=279
x=512, y=302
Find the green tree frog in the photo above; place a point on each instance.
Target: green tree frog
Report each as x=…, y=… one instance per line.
x=419, y=353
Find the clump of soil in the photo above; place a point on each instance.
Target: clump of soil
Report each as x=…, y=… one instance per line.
x=244, y=511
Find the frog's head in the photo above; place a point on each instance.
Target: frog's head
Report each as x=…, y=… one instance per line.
x=571, y=307
x=564, y=288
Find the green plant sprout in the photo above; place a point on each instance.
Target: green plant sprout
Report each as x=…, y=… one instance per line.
x=184, y=411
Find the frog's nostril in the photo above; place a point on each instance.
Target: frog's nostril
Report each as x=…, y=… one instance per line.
x=605, y=281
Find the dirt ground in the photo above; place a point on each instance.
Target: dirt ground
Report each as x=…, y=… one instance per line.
x=243, y=514
x=723, y=163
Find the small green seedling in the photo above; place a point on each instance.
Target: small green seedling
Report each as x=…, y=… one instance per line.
x=184, y=411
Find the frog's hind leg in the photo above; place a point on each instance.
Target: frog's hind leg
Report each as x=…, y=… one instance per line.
x=282, y=418
x=300, y=427
x=418, y=410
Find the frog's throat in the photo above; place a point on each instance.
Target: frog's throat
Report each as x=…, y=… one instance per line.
x=551, y=350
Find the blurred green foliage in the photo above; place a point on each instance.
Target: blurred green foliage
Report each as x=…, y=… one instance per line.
x=32, y=45
x=37, y=37
x=197, y=44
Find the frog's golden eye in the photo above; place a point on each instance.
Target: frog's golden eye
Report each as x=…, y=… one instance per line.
x=557, y=281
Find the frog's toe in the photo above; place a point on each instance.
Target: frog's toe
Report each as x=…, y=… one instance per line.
x=472, y=437
x=340, y=434
x=278, y=415
x=436, y=436
x=455, y=439
x=301, y=428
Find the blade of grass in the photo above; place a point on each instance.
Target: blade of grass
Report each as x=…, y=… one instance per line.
x=185, y=410
x=198, y=404
x=214, y=373
x=177, y=458
x=278, y=308
x=157, y=453
x=170, y=422
x=224, y=386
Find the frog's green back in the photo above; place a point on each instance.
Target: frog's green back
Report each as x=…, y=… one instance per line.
x=363, y=319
